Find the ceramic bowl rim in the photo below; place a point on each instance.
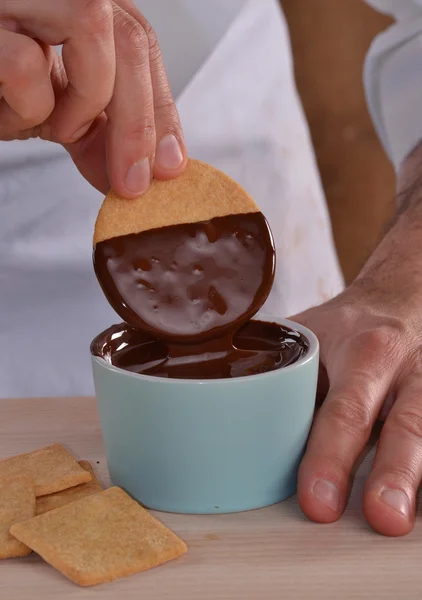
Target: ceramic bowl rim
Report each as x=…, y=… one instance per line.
x=311, y=354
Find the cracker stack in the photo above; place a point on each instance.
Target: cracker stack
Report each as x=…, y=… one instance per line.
x=55, y=506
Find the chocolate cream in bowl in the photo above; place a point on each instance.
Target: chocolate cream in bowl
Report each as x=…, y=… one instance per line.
x=187, y=293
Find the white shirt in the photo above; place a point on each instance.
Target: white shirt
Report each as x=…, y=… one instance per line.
x=230, y=66
x=393, y=78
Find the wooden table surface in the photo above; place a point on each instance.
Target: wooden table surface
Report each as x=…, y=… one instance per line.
x=260, y=555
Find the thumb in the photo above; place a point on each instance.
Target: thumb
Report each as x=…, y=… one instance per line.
x=89, y=154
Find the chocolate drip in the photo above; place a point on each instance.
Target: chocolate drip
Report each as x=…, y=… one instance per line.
x=189, y=282
x=257, y=347
x=187, y=292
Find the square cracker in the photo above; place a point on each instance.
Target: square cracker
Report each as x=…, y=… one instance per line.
x=52, y=469
x=52, y=501
x=100, y=538
x=17, y=503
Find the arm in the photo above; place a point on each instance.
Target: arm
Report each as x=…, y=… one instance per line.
x=371, y=335
x=106, y=98
x=329, y=41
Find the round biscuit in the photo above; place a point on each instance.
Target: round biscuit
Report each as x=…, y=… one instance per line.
x=202, y=193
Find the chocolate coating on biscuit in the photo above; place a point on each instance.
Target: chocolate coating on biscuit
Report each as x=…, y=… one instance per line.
x=192, y=281
x=201, y=193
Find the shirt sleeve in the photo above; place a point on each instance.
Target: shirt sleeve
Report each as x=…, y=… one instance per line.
x=393, y=78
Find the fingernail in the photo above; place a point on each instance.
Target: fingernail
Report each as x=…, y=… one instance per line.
x=138, y=177
x=327, y=493
x=80, y=133
x=397, y=500
x=169, y=155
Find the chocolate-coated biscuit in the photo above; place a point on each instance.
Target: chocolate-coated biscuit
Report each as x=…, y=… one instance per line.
x=202, y=193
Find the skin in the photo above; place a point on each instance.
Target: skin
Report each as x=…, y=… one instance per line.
x=371, y=342
x=107, y=100
x=109, y=103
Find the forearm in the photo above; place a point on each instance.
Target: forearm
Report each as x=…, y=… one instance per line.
x=351, y=161
x=397, y=260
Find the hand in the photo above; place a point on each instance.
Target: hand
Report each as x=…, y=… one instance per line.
x=107, y=100
x=371, y=347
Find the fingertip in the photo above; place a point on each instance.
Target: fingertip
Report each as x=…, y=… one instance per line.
x=320, y=497
x=138, y=178
x=71, y=137
x=170, y=158
x=321, y=503
x=388, y=511
x=135, y=182
x=167, y=175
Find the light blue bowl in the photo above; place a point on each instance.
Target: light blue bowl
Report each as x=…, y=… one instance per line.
x=213, y=446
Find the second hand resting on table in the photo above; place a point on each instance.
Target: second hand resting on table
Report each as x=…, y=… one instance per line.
x=107, y=100
x=370, y=338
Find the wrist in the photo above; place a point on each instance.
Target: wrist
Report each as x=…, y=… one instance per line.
x=396, y=263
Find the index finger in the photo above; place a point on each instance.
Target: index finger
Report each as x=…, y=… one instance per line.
x=171, y=156
x=131, y=133
x=85, y=28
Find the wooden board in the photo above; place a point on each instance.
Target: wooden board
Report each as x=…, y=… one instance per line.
x=261, y=555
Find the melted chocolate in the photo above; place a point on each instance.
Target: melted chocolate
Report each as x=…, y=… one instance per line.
x=189, y=282
x=257, y=347
x=187, y=292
